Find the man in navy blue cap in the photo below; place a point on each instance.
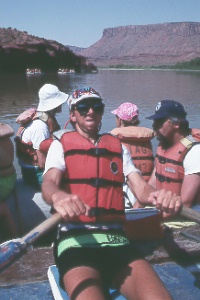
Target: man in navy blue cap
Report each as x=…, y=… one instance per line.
x=177, y=160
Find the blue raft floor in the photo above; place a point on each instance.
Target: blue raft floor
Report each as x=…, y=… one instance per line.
x=180, y=283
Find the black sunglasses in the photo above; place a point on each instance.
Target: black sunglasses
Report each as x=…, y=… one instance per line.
x=83, y=108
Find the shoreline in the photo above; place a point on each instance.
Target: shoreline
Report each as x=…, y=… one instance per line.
x=146, y=69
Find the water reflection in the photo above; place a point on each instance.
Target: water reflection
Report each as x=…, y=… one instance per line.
x=143, y=87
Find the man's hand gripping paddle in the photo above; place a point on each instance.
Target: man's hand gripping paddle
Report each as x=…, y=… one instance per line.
x=11, y=250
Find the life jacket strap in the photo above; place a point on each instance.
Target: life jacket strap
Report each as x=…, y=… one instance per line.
x=164, y=160
x=96, y=182
x=92, y=152
x=162, y=178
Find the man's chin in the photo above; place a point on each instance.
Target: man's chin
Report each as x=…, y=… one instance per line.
x=162, y=141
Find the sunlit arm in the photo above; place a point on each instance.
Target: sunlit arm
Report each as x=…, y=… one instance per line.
x=67, y=205
x=51, y=184
x=41, y=159
x=152, y=179
x=166, y=201
x=190, y=189
x=139, y=187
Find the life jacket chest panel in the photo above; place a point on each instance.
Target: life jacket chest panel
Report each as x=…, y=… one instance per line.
x=98, y=176
x=169, y=164
x=138, y=142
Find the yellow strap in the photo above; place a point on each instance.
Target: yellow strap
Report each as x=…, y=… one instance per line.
x=186, y=142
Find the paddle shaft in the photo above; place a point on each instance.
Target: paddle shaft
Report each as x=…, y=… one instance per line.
x=48, y=224
x=190, y=214
x=42, y=228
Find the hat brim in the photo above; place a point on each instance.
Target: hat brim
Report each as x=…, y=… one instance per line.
x=117, y=113
x=53, y=102
x=114, y=112
x=157, y=116
x=83, y=97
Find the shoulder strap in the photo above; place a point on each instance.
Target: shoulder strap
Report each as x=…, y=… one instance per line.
x=58, y=134
x=189, y=141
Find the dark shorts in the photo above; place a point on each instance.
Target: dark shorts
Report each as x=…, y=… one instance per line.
x=107, y=260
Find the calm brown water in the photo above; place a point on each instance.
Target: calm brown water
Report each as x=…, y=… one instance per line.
x=142, y=87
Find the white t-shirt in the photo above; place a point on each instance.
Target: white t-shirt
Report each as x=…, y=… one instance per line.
x=191, y=162
x=36, y=132
x=55, y=159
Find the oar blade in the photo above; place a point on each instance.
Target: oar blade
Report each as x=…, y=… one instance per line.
x=9, y=251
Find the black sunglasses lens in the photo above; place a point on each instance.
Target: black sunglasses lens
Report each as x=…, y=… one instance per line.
x=98, y=108
x=83, y=108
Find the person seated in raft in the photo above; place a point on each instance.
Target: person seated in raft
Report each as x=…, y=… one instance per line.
x=7, y=169
x=138, y=141
x=177, y=160
x=7, y=180
x=38, y=128
x=83, y=179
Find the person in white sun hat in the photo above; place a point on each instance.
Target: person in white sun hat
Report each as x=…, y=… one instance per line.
x=38, y=125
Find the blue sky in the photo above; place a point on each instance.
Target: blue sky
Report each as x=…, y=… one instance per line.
x=81, y=22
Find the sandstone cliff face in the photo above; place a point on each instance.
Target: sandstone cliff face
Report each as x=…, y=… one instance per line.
x=146, y=45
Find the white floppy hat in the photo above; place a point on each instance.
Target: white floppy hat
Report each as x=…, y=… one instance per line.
x=50, y=97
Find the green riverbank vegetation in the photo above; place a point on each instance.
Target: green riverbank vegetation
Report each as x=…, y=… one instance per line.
x=193, y=64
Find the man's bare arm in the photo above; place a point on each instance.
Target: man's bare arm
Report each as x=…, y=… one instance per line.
x=67, y=205
x=41, y=159
x=51, y=184
x=168, y=202
x=152, y=179
x=139, y=187
x=190, y=189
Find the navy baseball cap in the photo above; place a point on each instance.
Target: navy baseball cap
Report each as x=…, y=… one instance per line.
x=168, y=109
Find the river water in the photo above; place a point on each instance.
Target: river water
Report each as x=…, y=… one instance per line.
x=142, y=87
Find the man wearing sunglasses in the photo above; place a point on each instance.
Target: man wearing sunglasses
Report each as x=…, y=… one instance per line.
x=83, y=180
x=177, y=161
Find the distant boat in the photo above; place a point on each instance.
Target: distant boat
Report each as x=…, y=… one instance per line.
x=33, y=71
x=65, y=71
x=94, y=71
x=38, y=71
x=30, y=71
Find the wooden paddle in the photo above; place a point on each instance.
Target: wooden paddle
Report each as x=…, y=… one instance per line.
x=11, y=250
x=190, y=214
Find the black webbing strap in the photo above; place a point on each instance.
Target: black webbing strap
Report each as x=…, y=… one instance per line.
x=164, y=160
x=162, y=178
x=98, y=152
x=96, y=182
x=143, y=158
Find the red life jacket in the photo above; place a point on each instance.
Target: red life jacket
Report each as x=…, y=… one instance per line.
x=138, y=142
x=25, y=151
x=169, y=163
x=94, y=172
x=6, y=150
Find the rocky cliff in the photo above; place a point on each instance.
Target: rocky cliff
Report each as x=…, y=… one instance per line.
x=19, y=51
x=146, y=45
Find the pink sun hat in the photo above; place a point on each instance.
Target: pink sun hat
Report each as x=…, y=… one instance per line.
x=126, y=111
